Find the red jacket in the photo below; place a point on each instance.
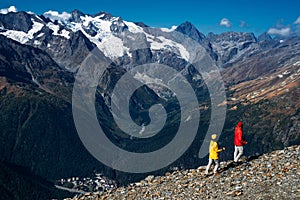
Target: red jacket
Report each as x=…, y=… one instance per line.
x=238, y=135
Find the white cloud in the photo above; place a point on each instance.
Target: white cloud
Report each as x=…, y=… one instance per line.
x=280, y=31
x=54, y=15
x=7, y=10
x=297, y=21
x=225, y=22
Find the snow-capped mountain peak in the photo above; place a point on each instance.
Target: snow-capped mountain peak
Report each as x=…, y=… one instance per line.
x=115, y=36
x=103, y=29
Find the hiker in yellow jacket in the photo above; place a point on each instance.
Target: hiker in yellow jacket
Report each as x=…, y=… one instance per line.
x=213, y=154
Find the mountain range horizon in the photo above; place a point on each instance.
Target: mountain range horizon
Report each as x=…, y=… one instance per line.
x=280, y=31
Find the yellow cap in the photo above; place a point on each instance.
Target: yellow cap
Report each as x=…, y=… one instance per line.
x=214, y=136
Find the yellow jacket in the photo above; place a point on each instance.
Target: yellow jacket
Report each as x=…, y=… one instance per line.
x=214, y=150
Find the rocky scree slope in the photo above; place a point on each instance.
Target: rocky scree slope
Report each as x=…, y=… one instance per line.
x=273, y=175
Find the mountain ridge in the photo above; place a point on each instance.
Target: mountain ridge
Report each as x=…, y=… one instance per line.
x=103, y=25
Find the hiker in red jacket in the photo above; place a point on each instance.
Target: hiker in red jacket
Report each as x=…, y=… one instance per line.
x=238, y=142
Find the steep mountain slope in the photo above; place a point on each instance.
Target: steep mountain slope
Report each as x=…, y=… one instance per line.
x=270, y=176
x=37, y=128
x=265, y=60
x=33, y=66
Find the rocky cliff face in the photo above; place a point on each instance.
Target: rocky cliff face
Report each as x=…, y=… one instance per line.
x=20, y=21
x=231, y=45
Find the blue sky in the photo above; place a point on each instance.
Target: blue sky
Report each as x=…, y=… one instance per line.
x=241, y=15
